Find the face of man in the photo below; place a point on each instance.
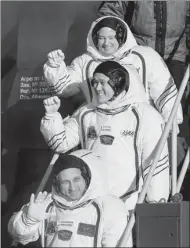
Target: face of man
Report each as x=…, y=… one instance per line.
x=107, y=42
x=71, y=184
x=102, y=89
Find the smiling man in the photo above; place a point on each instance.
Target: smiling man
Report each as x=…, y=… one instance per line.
x=107, y=42
x=108, y=36
x=80, y=211
x=103, y=90
x=72, y=184
x=109, y=80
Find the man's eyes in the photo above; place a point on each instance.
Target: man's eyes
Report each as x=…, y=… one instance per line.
x=64, y=182
x=95, y=83
x=77, y=179
x=104, y=38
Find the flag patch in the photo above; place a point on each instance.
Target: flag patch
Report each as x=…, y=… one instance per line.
x=50, y=228
x=106, y=139
x=64, y=235
x=86, y=229
x=91, y=133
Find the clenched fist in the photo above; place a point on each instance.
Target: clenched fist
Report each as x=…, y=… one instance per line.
x=55, y=58
x=52, y=104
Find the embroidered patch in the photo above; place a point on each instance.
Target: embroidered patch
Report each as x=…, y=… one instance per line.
x=106, y=128
x=86, y=229
x=64, y=223
x=50, y=228
x=127, y=133
x=106, y=139
x=91, y=133
x=64, y=235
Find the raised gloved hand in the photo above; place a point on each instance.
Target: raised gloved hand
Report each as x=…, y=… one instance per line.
x=55, y=58
x=52, y=104
x=37, y=206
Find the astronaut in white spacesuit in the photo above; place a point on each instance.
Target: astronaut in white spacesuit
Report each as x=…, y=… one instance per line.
x=79, y=212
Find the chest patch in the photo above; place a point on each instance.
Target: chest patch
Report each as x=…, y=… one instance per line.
x=64, y=223
x=106, y=139
x=86, y=229
x=91, y=133
x=106, y=128
x=126, y=133
x=64, y=235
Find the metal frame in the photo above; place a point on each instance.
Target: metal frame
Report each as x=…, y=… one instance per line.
x=47, y=174
x=161, y=143
x=183, y=171
x=174, y=156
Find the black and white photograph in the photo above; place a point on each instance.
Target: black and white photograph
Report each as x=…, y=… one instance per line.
x=95, y=120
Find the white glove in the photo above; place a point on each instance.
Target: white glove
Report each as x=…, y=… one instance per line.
x=37, y=206
x=55, y=69
x=52, y=104
x=55, y=58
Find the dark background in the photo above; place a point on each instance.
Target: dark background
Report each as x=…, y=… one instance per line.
x=30, y=30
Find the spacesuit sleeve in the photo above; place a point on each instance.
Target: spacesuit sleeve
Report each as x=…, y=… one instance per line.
x=161, y=86
x=64, y=80
x=61, y=135
x=23, y=229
